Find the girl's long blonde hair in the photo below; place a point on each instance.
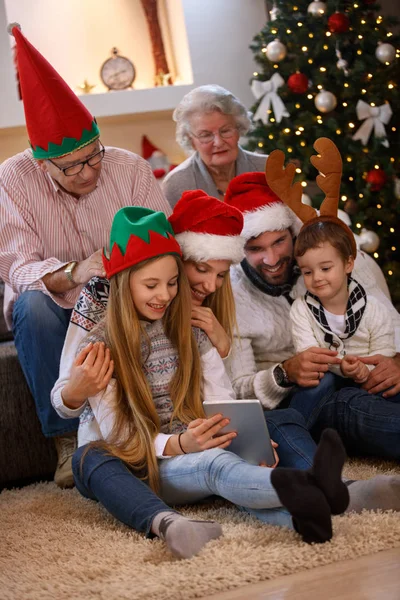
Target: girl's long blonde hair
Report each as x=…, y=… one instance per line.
x=222, y=303
x=136, y=422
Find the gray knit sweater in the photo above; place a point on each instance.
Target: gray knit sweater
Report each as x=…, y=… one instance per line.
x=192, y=174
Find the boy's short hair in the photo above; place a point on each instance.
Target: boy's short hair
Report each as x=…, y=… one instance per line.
x=315, y=234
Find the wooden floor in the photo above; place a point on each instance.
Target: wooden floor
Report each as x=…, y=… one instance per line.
x=373, y=577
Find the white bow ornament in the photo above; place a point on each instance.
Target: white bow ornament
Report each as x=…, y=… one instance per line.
x=267, y=90
x=374, y=117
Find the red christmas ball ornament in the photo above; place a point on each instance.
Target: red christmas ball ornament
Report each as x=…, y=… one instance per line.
x=338, y=23
x=298, y=83
x=376, y=178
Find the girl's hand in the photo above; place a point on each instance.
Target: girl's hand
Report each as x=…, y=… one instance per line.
x=204, y=318
x=90, y=374
x=351, y=366
x=274, y=446
x=203, y=434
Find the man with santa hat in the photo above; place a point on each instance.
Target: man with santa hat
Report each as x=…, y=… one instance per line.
x=263, y=363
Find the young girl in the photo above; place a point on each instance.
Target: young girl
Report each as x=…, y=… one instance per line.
x=150, y=422
x=336, y=313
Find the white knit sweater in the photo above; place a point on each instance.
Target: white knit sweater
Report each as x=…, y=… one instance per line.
x=265, y=333
x=374, y=334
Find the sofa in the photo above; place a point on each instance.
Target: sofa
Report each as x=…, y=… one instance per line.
x=25, y=454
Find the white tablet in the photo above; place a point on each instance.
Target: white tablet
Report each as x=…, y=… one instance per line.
x=247, y=418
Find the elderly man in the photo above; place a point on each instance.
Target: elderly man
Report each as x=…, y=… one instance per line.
x=57, y=202
x=263, y=364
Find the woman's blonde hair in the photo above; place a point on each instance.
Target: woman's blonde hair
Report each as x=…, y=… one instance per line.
x=136, y=422
x=222, y=303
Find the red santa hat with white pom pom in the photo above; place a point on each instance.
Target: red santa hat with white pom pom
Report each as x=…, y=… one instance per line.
x=207, y=229
x=262, y=209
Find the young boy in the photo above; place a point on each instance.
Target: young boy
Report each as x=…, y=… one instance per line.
x=335, y=312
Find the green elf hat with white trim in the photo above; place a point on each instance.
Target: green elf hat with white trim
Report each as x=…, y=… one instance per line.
x=138, y=234
x=57, y=121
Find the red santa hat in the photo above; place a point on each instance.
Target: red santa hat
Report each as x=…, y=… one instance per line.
x=207, y=229
x=262, y=209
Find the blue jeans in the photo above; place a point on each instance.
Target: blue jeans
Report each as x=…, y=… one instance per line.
x=368, y=425
x=183, y=479
x=189, y=478
x=305, y=400
x=108, y=480
x=296, y=447
x=40, y=327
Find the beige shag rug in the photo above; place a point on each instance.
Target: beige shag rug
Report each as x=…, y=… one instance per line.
x=54, y=544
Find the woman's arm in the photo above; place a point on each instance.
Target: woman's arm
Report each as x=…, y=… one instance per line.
x=216, y=383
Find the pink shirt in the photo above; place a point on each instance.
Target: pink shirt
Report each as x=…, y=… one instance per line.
x=43, y=228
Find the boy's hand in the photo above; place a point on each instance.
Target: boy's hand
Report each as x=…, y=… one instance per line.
x=351, y=366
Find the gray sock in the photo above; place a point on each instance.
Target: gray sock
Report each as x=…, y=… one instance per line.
x=382, y=491
x=184, y=537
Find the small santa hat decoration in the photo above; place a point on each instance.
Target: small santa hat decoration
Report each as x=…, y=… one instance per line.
x=207, y=229
x=157, y=158
x=262, y=209
x=137, y=234
x=57, y=121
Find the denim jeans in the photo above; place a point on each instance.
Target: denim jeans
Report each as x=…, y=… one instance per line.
x=108, y=480
x=40, y=327
x=296, y=447
x=189, y=478
x=368, y=425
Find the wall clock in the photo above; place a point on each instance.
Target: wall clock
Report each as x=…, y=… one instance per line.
x=117, y=72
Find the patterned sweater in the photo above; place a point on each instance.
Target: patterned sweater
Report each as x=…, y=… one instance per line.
x=265, y=333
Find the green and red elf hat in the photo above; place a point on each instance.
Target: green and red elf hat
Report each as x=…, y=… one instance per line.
x=57, y=121
x=138, y=234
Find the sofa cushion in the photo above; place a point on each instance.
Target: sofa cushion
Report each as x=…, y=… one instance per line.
x=4, y=333
x=25, y=454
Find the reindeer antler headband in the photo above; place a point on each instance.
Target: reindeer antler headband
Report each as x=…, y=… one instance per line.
x=329, y=164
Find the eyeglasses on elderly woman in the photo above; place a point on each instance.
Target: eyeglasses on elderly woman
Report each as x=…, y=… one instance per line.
x=206, y=137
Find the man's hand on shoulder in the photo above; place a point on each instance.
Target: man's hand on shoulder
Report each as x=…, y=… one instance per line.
x=308, y=367
x=58, y=283
x=385, y=376
x=88, y=268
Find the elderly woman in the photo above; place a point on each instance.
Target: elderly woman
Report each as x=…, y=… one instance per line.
x=210, y=121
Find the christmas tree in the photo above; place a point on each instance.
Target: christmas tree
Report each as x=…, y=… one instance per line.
x=331, y=69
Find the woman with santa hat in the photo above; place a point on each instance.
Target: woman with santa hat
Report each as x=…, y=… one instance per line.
x=208, y=232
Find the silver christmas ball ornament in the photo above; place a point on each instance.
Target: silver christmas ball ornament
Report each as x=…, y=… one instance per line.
x=385, y=53
x=317, y=9
x=325, y=101
x=274, y=13
x=305, y=198
x=276, y=51
x=369, y=240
